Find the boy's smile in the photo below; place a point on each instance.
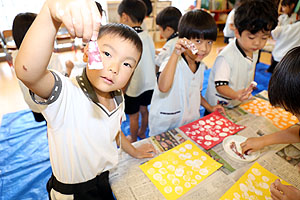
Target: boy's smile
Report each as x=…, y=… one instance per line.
x=203, y=46
x=119, y=57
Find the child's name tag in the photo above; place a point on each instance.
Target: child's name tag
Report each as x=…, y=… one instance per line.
x=94, y=60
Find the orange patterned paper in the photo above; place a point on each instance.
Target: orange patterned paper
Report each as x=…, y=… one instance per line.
x=279, y=117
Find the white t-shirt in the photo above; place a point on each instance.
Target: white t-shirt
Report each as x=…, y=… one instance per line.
x=230, y=20
x=166, y=51
x=284, y=19
x=81, y=131
x=233, y=68
x=286, y=37
x=143, y=78
x=181, y=104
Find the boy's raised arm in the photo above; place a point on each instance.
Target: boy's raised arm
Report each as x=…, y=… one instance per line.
x=81, y=18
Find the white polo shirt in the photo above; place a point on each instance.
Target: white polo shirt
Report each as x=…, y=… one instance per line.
x=181, y=104
x=233, y=68
x=230, y=20
x=81, y=131
x=166, y=51
x=287, y=37
x=143, y=78
x=284, y=19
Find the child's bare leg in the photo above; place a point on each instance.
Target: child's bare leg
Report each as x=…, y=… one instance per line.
x=144, y=123
x=134, y=126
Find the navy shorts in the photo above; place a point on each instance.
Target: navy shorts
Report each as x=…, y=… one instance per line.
x=132, y=104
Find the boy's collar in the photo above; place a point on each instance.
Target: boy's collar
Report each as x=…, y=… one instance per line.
x=89, y=91
x=184, y=58
x=242, y=51
x=174, y=35
x=138, y=29
x=240, y=48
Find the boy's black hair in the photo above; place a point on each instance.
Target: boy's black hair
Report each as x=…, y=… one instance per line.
x=285, y=82
x=123, y=31
x=169, y=16
x=289, y=2
x=135, y=9
x=255, y=16
x=238, y=2
x=20, y=26
x=149, y=7
x=197, y=24
x=99, y=7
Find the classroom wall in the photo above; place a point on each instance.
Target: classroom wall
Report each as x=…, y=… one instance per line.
x=10, y=8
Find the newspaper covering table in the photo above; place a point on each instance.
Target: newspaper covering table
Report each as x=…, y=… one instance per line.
x=129, y=182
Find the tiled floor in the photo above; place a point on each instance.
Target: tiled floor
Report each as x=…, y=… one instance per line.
x=11, y=98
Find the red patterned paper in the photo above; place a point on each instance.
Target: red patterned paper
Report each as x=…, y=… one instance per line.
x=94, y=56
x=210, y=130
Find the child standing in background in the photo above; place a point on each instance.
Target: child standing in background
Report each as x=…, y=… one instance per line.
x=234, y=68
x=177, y=95
x=139, y=91
x=286, y=37
x=283, y=92
x=167, y=21
x=229, y=25
x=288, y=16
x=84, y=115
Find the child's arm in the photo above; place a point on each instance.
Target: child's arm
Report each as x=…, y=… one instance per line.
x=142, y=151
x=166, y=77
x=210, y=108
x=222, y=80
x=287, y=136
x=240, y=95
x=80, y=18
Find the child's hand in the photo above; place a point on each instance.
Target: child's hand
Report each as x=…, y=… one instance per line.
x=252, y=145
x=284, y=192
x=182, y=45
x=244, y=94
x=145, y=151
x=81, y=17
x=219, y=108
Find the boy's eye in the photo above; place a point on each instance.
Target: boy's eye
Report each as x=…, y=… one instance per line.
x=127, y=65
x=198, y=41
x=265, y=38
x=210, y=42
x=106, y=54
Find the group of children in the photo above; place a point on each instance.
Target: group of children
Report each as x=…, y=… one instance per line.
x=84, y=114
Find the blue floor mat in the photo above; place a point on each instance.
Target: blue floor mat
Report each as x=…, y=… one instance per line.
x=24, y=161
x=262, y=78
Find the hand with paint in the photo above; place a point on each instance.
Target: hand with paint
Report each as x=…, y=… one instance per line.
x=184, y=44
x=81, y=17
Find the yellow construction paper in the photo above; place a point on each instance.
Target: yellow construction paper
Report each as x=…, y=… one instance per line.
x=279, y=117
x=254, y=184
x=180, y=169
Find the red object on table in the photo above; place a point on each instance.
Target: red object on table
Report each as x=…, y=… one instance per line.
x=210, y=130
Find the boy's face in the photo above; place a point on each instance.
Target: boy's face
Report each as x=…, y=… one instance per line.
x=204, y=48
x=287, y=9
x=251, y=42
x=119, y=58
x=165, y=33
